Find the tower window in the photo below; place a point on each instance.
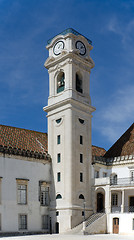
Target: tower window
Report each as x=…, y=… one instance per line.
x=81, y=177
x=58, y=157
x=81, y=139
x=58, y=120
x=58, y=177
x=58, y=196
x=81, y=158
x=60, y=82
x=58, y=139
x=81, y=196
x=81, y=121
x=57, y=213
x=79, y=83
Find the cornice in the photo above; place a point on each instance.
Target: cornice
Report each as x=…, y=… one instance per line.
x=121, y=160
x=73, y=57
x=69, y=32
x=24, y=153
x=73, y=103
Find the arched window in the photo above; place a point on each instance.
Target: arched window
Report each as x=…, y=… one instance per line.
x=113, y=179
x=58, y=196
x=100, y=202
x=81, y=196
x=60, y=82
x=79, y=83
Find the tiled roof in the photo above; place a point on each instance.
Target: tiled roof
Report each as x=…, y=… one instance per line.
x=26, y=142
x=98, y=151
x=123, y=146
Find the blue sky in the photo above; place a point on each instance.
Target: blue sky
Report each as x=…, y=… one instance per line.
x=25, y=27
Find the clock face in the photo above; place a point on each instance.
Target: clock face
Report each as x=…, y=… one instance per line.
x=80, y=45
x=58, y=47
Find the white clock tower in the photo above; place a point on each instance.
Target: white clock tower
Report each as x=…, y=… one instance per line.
x=69, y=128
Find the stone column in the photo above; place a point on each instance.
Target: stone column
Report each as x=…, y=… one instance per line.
x=109, y=210
x=122, y=205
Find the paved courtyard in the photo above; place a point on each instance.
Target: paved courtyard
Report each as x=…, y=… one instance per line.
x=72, y=237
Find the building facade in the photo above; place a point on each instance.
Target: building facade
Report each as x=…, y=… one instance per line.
x=113, y=184
x=24, y=181
x=53, y=183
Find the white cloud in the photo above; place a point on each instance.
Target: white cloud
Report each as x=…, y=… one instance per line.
x=118, y=114
x=121, y=106
x=124, y=29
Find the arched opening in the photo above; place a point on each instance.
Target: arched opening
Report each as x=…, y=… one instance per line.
x=113, y=179
x=79, y=87
x=57, y=227
x=100, y=202
x=60, y=82
x=58, y=196
x=116, y=225
x=81, y=196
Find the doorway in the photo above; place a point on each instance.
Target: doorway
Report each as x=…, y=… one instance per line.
x=100, y=201
x=116, y=225
x=57, y=227
x=131, y=204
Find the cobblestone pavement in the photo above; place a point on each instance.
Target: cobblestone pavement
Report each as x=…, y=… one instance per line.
x=72, y=237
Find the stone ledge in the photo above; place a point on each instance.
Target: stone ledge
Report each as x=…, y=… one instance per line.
x=24, y=153
x=114, y=161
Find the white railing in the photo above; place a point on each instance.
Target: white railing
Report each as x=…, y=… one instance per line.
x=122, y=181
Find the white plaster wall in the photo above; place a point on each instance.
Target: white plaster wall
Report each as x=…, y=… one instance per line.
x=101, y=170
x=10, y=169
x=122, y=171
x=125, y=223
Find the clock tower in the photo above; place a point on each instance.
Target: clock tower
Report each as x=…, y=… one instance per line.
x=69, y=113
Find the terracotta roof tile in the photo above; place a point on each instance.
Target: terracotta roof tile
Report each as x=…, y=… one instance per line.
x=28, y=140
x=98, y=151
x=23, y=139
x=123, y=146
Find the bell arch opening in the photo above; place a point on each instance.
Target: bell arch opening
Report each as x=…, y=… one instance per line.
x=79, y=83
x=60, y=82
